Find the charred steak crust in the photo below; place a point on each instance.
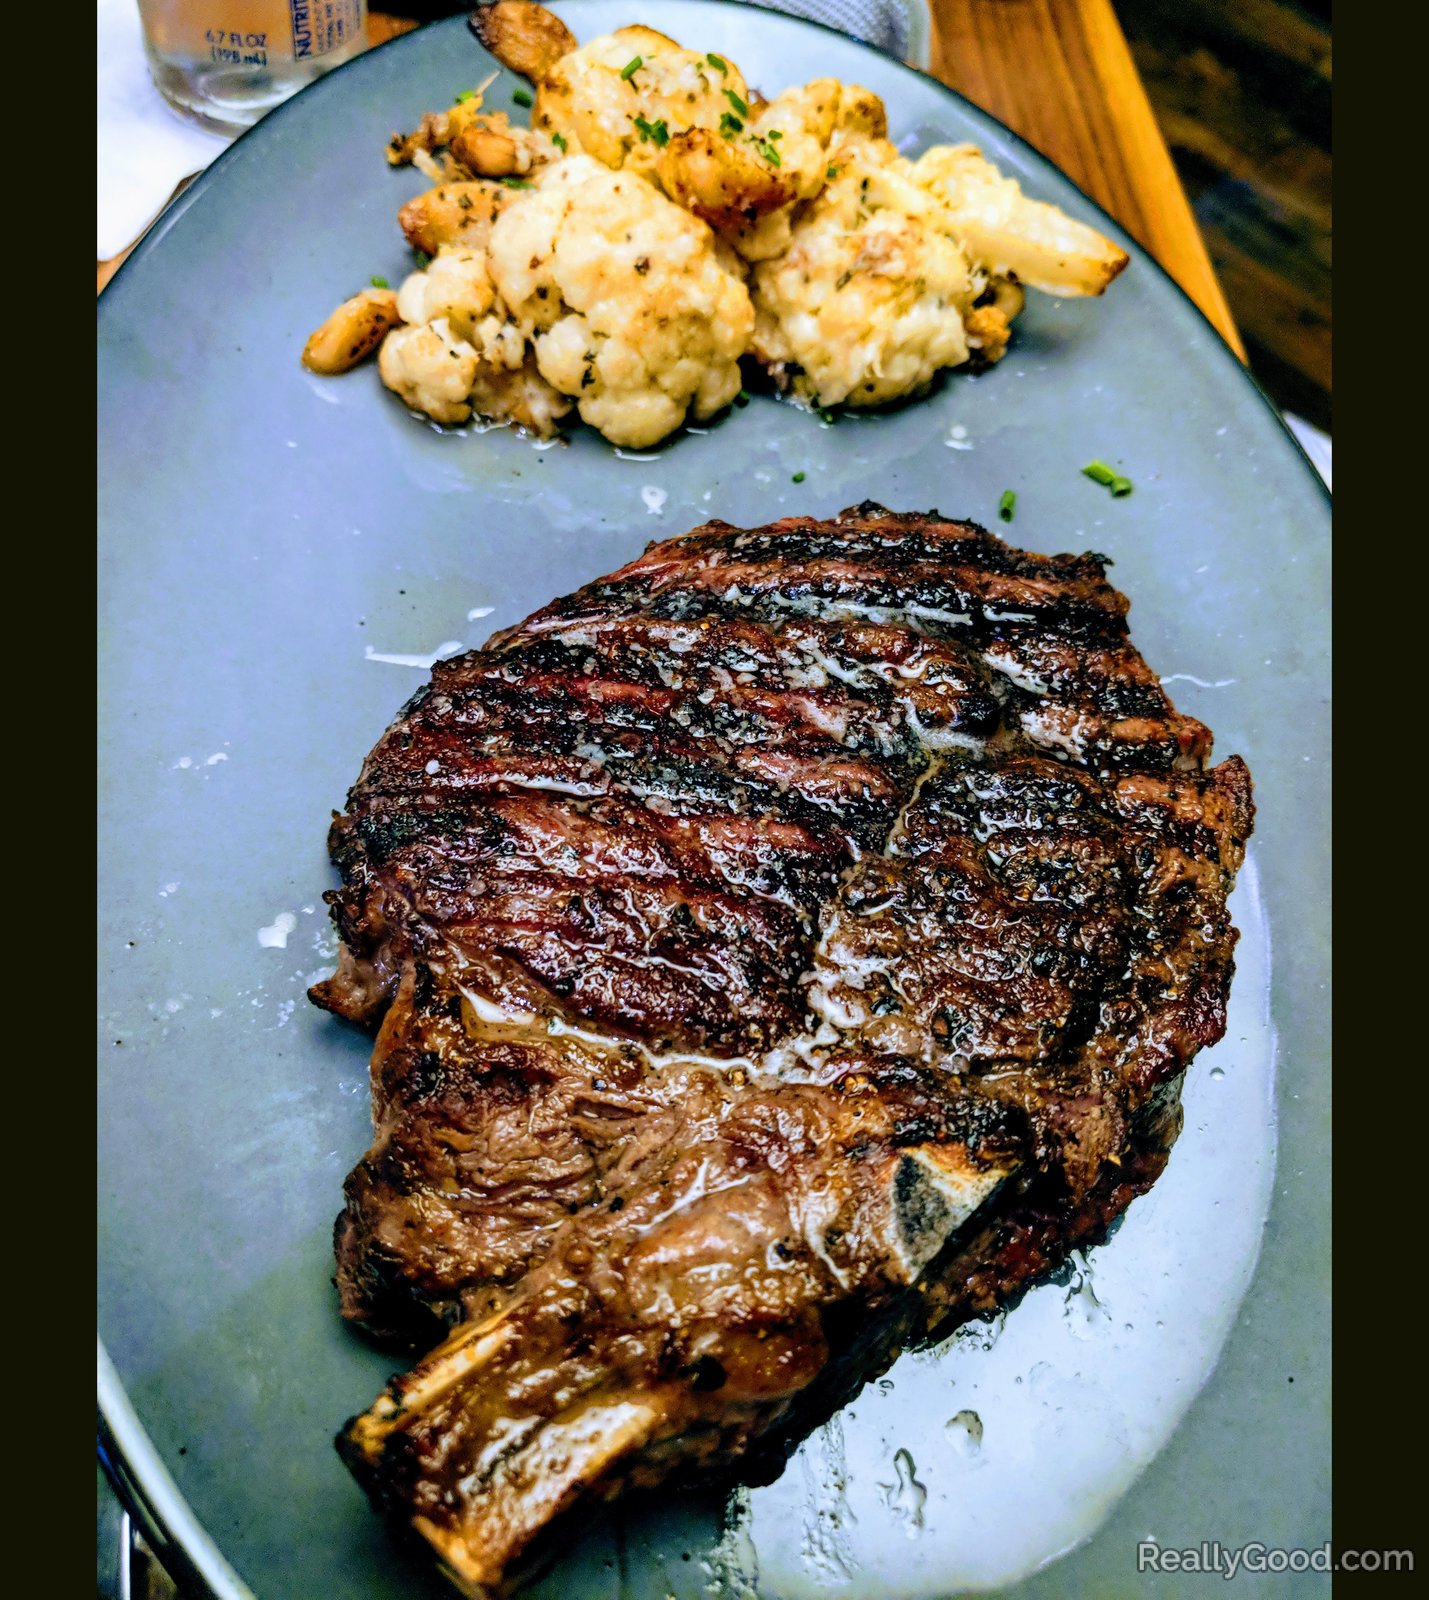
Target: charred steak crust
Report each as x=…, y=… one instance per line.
x=781, y=951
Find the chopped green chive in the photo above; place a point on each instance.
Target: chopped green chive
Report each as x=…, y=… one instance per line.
x=559, y=140
x=522, y=97
x=718, y=63
x=798, y=477
x=775, y=133
x=380, y=283
x=831, y=174
x=1099, y=472
x=465, y=95
x=631, y=67
x=516, y=183
x=828, y=416
x=1007, y=505
x=767, y=150
x=729, y=124
x=656, y=132
x=423, y=259
x=739, y=105
x=741, y=399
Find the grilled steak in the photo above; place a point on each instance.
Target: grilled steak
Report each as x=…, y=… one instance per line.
x=783, y=949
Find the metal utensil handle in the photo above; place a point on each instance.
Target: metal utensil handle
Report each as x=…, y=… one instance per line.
x=144, y=1548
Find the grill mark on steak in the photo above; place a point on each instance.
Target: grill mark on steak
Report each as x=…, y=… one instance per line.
x=785, y=948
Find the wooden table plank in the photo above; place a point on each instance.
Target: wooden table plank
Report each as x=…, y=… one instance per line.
x=381, y=27
x=1059, y=73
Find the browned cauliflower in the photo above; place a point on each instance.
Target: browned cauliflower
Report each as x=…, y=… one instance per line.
x=660, y=219
x=620, y=97
x=431, y=369
x=454, y=285
x=637, y=101
x=1012, y=235
x=632, y=306
x=459, y=353
x=868, y=300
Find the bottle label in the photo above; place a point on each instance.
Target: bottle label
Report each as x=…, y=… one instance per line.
x=322, y=26
x=237, y=48
x=255, y=33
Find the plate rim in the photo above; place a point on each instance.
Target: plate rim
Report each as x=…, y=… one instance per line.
x=147, y=1489
x=148, y=1493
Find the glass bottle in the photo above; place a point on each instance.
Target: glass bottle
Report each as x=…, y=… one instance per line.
x=226, y=62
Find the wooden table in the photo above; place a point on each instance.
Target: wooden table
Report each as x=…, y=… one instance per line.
x=1059, y=73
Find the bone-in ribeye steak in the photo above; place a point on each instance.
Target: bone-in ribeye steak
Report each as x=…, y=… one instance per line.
x=784, y=950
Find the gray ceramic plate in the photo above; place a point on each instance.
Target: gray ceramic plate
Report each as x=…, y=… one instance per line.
x=275, y=551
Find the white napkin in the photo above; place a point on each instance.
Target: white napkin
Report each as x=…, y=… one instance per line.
x=145, y=146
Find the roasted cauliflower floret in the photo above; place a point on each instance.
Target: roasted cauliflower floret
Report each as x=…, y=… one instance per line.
x=594, y=96
x=519, y=394
x=431, y=369
x=453, y=213
x=745, y=175
x=1012, y=235
x=804, y=122
x=794, y=133
x=867, y=302
x=632, y=307
x=455, y=286
x=461, y=352
x=635, y=100
x=731, y=186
